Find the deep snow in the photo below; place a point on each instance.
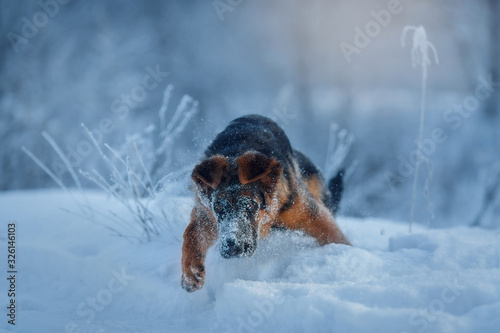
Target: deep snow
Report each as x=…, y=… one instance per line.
x=75, y=277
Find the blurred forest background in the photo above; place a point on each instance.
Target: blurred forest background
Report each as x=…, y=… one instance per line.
x=278, y=58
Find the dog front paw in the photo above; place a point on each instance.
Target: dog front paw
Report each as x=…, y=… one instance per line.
x=193, y=278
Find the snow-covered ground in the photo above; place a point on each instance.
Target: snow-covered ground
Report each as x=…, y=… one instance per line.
x=75, y=277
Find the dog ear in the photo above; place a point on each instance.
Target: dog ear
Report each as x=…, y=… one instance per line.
x=255, y=166
x=210, y=171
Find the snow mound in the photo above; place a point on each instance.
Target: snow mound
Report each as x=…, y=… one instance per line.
x=74, y=277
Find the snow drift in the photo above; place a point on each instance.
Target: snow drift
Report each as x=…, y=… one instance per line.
x=75, y=277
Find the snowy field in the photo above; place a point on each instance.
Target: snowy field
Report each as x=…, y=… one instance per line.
x=123, y=97
x=75, y=277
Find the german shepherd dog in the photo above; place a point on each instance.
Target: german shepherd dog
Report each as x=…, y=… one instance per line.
x=249, y=181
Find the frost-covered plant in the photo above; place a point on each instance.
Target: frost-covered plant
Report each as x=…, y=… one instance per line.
x=133, y=172
x=420, y=56
x=339, y=144
x=491, y=190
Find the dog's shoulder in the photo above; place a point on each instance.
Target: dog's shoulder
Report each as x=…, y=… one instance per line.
x=305, y=165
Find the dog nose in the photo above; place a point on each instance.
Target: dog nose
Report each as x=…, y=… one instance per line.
x=231, y=249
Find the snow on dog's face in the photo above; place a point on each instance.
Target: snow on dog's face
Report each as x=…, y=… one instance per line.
x=239, y=194
x=236, y=211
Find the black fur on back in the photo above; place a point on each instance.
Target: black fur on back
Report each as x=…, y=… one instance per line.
x=252, y=133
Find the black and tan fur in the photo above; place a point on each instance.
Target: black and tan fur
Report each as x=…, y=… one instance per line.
x=249, y=181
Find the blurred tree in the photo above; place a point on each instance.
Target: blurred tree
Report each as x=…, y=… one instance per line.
x=494, y=10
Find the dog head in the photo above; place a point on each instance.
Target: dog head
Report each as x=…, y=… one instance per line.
x=239, y=193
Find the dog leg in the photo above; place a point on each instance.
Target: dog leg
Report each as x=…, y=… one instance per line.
x=322, y=226
x=200, y=234
x=315, y=219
